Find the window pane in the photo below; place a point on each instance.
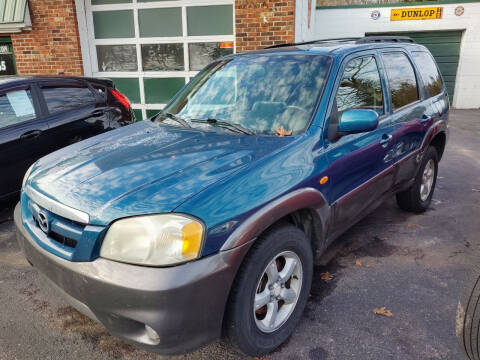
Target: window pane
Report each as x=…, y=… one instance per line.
x=117, y=58
x=160, y=91
x=152, y=112
x=401, y=79
x=160, y=22
x=128, y=87
x=7, y=64
x=361, y=87
x=202, y=54
x=16, y=107
x=429, y=72
x=113, y=24
x=61, y=99
x=210, y=20
x=138, y=114
x=162, y=57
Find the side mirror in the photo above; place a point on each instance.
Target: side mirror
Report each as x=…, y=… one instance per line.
x=357, y=121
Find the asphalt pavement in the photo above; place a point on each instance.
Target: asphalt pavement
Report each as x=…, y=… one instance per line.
x=416, y=266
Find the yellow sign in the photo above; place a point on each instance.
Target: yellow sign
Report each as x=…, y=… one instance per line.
x=425, y=13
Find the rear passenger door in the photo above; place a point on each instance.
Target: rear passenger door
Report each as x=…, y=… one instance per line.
x=359, y=176
x=410, y=112
x=72, y=113
x=22, y=131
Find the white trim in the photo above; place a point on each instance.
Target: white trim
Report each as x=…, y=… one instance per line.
x=83, y=34
x=163, y=40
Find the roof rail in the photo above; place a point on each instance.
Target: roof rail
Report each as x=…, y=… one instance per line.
x=364, y=40
x=384, y=38
x=312, y=42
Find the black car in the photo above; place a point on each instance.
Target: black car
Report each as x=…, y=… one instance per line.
x=41, y=114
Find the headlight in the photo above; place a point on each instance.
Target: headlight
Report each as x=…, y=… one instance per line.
x=156, y=240
x=27, y=174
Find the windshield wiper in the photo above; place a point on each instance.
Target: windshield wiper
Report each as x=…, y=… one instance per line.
x=174, y=117
x=222, y=123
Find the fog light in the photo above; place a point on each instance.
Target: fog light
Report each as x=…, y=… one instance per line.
x=152, y=334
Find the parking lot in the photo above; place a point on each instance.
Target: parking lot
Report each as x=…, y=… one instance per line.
x=416, y=266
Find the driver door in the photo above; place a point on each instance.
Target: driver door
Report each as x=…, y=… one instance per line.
x=359, y=171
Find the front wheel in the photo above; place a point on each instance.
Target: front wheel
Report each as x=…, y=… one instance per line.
x=418, y=197
x=270, y=291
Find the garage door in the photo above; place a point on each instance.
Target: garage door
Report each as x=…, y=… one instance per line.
x=150, y=49
x=445, y=48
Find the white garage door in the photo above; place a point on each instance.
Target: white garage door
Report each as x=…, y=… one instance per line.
x=152, y=48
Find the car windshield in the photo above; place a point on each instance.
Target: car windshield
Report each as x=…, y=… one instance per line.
x=260, y=94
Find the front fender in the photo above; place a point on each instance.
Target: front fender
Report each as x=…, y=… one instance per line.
x=258, y=222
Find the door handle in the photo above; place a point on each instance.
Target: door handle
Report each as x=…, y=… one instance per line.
x=386, y=138
x=31, y=134
x=425, y=118
x=97, y=113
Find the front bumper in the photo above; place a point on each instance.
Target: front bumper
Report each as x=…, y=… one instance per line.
x=184, y=304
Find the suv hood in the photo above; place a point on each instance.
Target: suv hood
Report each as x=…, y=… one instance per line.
x=143, y=168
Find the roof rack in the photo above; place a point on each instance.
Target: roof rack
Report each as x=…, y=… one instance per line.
x=384, y=38
x=364, y=40
x=313, y=42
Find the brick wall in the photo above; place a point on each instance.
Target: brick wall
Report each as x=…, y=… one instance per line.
x=52, y=46
x=261, y=23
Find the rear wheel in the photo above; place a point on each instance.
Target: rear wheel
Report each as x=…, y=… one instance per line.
x=468, y=319
x=418, y=197
x=270, y=291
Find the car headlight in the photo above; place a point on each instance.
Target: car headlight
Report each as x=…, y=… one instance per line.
x=27, y=174
x=155, y=240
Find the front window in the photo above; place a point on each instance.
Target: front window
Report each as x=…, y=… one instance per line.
x=263, y=94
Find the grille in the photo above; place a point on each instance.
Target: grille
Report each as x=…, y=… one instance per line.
x=62, y=231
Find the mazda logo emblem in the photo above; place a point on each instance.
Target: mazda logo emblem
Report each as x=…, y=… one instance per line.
x=42, y=218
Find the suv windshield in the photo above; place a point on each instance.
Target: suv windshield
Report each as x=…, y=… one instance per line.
x=261, y=94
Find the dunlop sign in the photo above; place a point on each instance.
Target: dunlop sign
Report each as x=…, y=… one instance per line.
x=425, y=13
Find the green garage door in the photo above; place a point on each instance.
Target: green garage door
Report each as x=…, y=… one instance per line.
x=445, y=48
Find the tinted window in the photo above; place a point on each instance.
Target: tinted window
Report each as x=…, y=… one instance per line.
x=401, y=79
x=66, y=98
x=16, y=107
x=429, y=72
x=360, y=87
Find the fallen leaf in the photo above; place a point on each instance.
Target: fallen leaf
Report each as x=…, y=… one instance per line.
x=410, y=225
x=358, y=263
x=325, y=276
x=383, y=311
x=383, y=238
x=282, y=132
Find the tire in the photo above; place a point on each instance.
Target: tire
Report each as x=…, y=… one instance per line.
x=243, y=325
x=468, y=319
x=411, y=199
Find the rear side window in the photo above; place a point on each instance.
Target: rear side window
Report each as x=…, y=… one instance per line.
x=16, y=107
x=401, y=79
x=60, y=99
x=360, y=87
x=429, y=73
